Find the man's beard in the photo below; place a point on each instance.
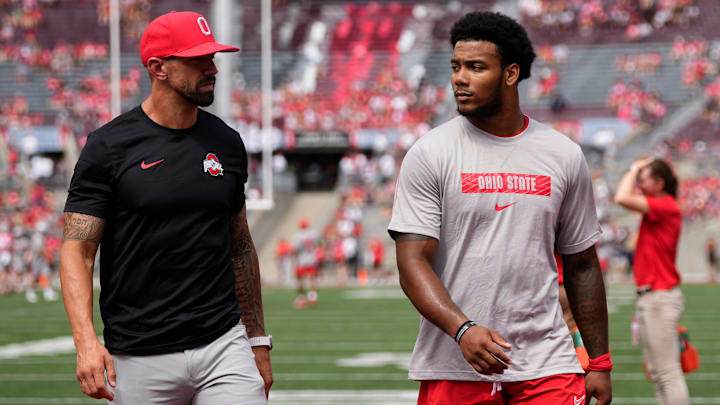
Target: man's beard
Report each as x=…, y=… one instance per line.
x=491, y=108
x=194, y=96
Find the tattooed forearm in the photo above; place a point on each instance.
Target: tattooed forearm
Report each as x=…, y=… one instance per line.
x=247, y=276
x=586, y=293
x=83, y=227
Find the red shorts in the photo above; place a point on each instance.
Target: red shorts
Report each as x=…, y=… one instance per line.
x=302, y=271
x=561, y=389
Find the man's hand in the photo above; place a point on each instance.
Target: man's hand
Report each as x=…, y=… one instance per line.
x=480, y=347
x=92, y=362
x=262, y=360
x=598, y=386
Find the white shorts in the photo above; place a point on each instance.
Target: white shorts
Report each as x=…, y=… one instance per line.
x=219, y=373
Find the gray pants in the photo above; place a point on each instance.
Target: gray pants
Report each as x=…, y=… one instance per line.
x=658, y=317
x=222, y=372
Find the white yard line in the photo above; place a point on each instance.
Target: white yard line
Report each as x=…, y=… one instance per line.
x=42, y=347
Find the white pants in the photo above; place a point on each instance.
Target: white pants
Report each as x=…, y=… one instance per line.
x=658, y=317
x=219, y=373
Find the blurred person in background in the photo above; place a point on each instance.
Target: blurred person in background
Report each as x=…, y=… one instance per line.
x=161, y=190
x=482, y=202
x=374, y=258
x=711, y=254
x=306, y=264
x=660, y=303
x=283, y=255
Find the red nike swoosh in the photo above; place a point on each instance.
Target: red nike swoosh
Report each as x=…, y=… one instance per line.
x=144, y=165
x=500, y=208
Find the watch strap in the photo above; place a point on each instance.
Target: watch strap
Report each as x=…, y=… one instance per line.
x=261, y=341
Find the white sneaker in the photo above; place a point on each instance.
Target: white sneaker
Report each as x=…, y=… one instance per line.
x=30, y=296
x=49, y=294
x=312, y=297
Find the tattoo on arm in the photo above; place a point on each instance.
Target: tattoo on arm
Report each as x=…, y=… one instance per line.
x=247, y=275
x=83, y=227
x=586, y=294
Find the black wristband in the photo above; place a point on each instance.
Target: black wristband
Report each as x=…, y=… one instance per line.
x=463, y=328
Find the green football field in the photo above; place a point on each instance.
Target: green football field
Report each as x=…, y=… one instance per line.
x=350, y=349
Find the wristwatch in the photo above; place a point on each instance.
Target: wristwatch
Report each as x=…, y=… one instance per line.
x=261, y=341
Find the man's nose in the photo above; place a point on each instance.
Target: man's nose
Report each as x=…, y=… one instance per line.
x=210, y=68
x=459, y=77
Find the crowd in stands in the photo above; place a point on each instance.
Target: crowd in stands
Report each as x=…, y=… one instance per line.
x=84, y=106
x=552, y=55
x=30, y=232
x=80, y=99
x=638, y=19
x=699, y=58
x=544, y=82
x=631, y=102
x=63, y=58
x=688, y=49
x=387, y=101
x=380, y=98
x=699, y=197
x=695, y=71
x=20, y=16
x=712, y=109
x=30, y=221
x=643, y=63
x=14, y=113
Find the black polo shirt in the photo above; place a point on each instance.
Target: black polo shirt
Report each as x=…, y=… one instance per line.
x=166, y=276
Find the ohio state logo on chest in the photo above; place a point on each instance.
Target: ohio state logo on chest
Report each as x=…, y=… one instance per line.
x=212, y=165
x=506, y=183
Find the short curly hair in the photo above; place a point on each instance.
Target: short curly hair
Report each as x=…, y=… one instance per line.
x=509, y=36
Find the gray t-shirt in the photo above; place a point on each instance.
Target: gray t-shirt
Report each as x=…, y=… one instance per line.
x=498, y=206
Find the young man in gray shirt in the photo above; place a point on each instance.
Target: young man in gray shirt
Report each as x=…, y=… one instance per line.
x=481, y=203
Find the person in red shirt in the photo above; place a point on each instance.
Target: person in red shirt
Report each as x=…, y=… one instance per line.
x=659, y=302
x=306, y=268
x=283, y=253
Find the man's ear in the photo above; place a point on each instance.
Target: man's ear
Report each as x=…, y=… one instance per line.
x=511, y=74
x=156, y=68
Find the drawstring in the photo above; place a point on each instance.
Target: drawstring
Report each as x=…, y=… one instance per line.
x=497, y=387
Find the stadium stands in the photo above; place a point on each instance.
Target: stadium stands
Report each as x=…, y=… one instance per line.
x=609, y=74
x=616, y=21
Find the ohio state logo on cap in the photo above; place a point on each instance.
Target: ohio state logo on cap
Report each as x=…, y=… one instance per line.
x=212, y=165
x=185, y=34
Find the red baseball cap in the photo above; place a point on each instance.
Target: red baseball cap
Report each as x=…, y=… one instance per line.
x=185, y=34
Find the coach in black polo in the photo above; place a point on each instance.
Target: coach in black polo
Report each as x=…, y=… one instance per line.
x=161, y=190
